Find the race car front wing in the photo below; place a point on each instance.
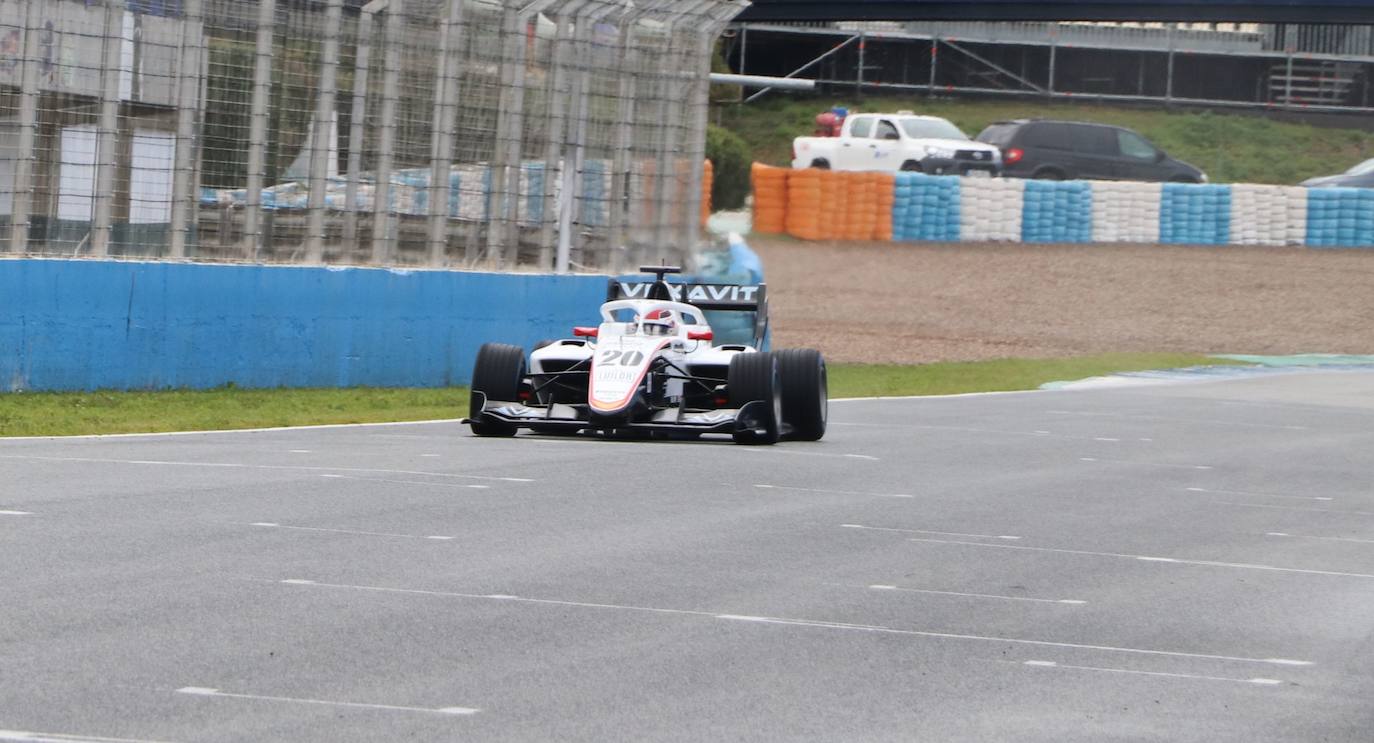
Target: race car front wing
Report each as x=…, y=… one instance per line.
x=575, y=417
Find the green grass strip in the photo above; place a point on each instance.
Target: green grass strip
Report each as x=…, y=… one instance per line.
x=67, y=414
x=1001, y=375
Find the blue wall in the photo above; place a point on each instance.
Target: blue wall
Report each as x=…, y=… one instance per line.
x=80, y=325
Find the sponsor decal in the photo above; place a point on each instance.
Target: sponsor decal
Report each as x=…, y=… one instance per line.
x=720, y=293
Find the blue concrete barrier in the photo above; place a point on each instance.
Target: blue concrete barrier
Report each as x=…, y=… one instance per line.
x=84, y=324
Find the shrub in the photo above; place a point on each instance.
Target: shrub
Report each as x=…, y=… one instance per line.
x=729, y=157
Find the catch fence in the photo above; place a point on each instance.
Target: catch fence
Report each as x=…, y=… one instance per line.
x=543, y=134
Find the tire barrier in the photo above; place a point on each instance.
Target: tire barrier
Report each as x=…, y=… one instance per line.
x=770, y=198
x=815, y=204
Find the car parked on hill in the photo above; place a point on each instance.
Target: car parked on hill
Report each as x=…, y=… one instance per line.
x=1360, y=176
x=901, y=141
x=1060, y=150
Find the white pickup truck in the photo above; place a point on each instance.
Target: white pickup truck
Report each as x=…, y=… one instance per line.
x=901, y=141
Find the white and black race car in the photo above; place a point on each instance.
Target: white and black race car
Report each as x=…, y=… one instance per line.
x=650, y=368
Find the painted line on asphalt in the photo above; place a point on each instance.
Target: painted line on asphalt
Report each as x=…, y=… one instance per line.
x=967, y=429
x=1149, y=558
x=976, y=595
x=16, y=513
x=322, y=426
x=800, y=623
x=1171, y=419
x=1296, y=508
x=1190, y=676
x=941, y=397
x=1311, y=536
x=926, y=531
x=302, y=451
x=240, y=465
x=1259, y=495
x=1147, y=464
x=28, y=736
x=409, y=482
x=272, y=525
x=431, y=455
x=202, y=691
x=832, y=492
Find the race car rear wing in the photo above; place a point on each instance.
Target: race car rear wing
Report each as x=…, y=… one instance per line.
x=705, y=297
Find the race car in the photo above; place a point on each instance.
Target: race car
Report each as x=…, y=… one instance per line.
x=650, y=370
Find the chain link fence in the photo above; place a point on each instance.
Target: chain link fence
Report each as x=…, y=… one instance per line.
x=501, y=134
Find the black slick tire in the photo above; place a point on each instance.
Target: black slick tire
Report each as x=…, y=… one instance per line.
x=805, y=393
x=497, y=374
x=754, y=377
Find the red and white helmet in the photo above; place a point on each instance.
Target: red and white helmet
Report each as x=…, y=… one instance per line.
x=659, y=322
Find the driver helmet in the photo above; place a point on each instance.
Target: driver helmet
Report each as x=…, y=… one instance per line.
x=659, y=322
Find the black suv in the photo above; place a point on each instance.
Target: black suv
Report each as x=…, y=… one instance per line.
x=1057, y=150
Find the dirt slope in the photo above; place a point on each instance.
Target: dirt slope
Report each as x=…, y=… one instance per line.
x=919, y=302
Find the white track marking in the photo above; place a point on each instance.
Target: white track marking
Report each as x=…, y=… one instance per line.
x=323, y=426
x=803, y=623
x=1309, y=536
x=1148, y=464
x=791, y=452
x=202, y=691
x=924, y=531
x=16, y=513
x=26, y=736
x=301, y=451
x=240, y=465
x=969, y=429
x=1149, y=558
x=833, y=492
x=1296, y=508
x=976, y=595
x=1192, y=676
x=271, y=525
x=941, y=397
x=1171, y=419
x=410, y=482
x=431, y=455
x=1258, y=495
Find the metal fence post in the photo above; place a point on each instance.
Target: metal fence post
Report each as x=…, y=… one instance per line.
x=357, y=124
x=106, y=157
x=381, y=194
x=184, y=186
x=22, y=200
x=257, y=129
x=441, y=148
x=323, y=142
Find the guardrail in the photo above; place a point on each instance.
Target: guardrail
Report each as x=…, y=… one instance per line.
x=814, y=204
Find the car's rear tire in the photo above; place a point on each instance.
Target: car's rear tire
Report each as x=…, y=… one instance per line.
x=753, y=377
x=1049, y=174
x=497, y=375
x=911, y=166
x=805, y=393
x=820, y=164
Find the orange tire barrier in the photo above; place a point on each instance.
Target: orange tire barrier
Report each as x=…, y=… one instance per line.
x=770, y=198
x=815, y=204
x=708, y=177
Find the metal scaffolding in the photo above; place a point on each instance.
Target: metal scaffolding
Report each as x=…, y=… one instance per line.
x=532, y=134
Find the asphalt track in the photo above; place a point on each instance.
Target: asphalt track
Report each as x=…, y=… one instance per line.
x=1184, y=563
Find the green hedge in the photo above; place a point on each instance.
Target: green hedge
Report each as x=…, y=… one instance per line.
x=730, y=161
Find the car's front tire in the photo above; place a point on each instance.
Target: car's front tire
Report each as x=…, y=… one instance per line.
x=753, y=377
x=805, y=393
x=497, y=375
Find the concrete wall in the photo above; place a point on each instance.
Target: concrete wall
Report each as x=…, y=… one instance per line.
x=81, y=325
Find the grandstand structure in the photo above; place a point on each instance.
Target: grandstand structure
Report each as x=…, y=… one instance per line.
x=1292, y=66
